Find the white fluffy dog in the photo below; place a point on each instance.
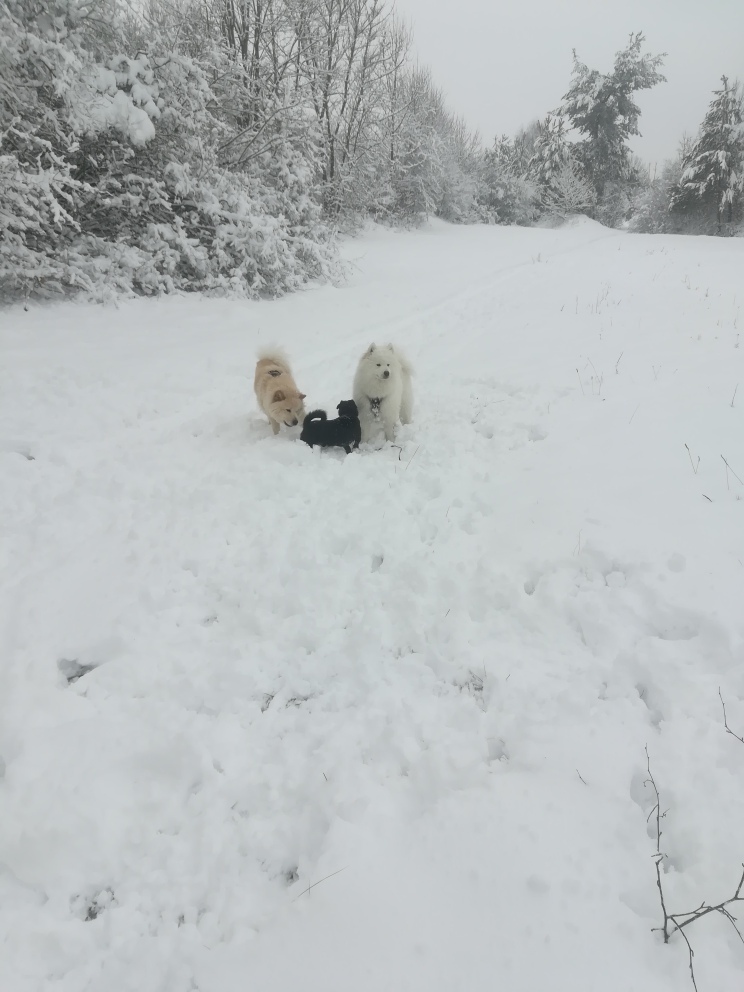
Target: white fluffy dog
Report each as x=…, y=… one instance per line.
x=382, y=391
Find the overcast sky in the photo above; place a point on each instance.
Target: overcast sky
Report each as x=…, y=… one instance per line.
x=503, y=63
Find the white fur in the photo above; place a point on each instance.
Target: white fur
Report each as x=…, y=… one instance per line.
x=394, y=392
x=270, y=351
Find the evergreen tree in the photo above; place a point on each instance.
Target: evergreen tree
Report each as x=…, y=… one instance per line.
x=568, y=192
x=713, y=168
x=507, y=194
x=551, y=150
x=602, y=109
x=525, y=145
x=563, y=186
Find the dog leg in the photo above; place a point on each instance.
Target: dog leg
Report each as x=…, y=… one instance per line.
x=367, y=428
x=406, y=402
x=274, y=425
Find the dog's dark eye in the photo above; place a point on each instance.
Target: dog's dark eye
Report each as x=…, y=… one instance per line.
x=379, y=364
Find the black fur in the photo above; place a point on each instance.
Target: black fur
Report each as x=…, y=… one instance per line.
x=344, y=432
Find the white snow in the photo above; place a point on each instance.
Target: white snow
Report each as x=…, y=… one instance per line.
x=418, y=679
x=98, y=104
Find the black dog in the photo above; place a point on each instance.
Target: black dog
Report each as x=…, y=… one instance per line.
x=345, y=432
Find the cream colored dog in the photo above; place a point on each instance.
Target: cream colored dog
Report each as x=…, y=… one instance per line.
x=276, y=391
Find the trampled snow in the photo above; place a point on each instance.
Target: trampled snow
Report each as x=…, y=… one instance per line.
x=277, y=718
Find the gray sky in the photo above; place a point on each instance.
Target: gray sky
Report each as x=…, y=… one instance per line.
x=502, y=63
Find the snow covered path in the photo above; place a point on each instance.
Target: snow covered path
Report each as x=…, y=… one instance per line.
x=234, y=668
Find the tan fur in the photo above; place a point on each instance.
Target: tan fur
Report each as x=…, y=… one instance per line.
x=276, y=391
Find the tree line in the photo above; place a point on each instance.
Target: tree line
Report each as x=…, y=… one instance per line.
x=219, y=145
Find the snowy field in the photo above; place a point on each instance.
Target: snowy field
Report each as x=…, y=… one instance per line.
x=277, y=719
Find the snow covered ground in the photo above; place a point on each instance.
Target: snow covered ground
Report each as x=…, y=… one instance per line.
x=277, y=719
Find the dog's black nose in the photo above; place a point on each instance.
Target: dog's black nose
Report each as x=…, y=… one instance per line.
x=386, y=373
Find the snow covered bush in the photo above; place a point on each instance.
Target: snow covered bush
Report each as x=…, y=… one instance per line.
x=230, y=233
x=127, y=172
x=37, y=190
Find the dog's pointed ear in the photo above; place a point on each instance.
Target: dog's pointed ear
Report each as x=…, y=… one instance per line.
x=279, y=396
x=391, y=348
x=303, y=396
x=371, y=349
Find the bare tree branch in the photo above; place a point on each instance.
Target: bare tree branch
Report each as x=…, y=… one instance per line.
x=676, y=922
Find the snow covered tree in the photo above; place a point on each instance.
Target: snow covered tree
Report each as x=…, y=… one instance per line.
x=430, y=160
x=561, y=179
x=169, y=145
x=343, y=61
x=458, y=163
x=507, y=194
x=713, y=169
x=524, y=145
x=568, y=192
x=137, y=173
x=601, y=108
x=39, y=60
x=551, y=150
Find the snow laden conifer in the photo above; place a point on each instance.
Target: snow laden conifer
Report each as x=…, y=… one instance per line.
x=563, y=187
x=552, y=150
x=507, y=195
x=713, y=169
x=568, y=192
x=602, y=109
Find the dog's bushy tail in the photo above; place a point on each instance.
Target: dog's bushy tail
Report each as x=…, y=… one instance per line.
x=405, y=364
x=273, y=353
x=406, y=401
x=315, y=415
